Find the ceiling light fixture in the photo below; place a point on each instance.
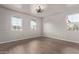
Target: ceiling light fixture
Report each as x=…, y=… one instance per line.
x=38, y=8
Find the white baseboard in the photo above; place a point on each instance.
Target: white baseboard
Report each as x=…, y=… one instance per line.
x=61, y=39
x=39, y=36
x=20, y=39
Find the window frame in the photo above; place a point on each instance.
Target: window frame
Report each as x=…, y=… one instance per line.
x=13, y=29
x=72, y=23
x=33, y=29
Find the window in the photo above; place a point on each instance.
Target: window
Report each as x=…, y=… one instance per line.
x=33, y=25
x=16, y=23
x=73, y=22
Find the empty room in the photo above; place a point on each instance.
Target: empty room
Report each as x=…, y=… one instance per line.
x=39, y=29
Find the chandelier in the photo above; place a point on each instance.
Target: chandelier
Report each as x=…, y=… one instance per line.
x=38, y=8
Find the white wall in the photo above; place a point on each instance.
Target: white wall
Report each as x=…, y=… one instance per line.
x=55, y=27
x=7, y=35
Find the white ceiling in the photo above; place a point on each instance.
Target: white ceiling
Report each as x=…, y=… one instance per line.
x=50, y=8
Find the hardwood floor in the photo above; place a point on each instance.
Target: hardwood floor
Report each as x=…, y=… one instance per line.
x=39, y=45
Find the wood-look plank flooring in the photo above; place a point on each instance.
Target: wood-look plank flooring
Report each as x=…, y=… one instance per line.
x=39, y=45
